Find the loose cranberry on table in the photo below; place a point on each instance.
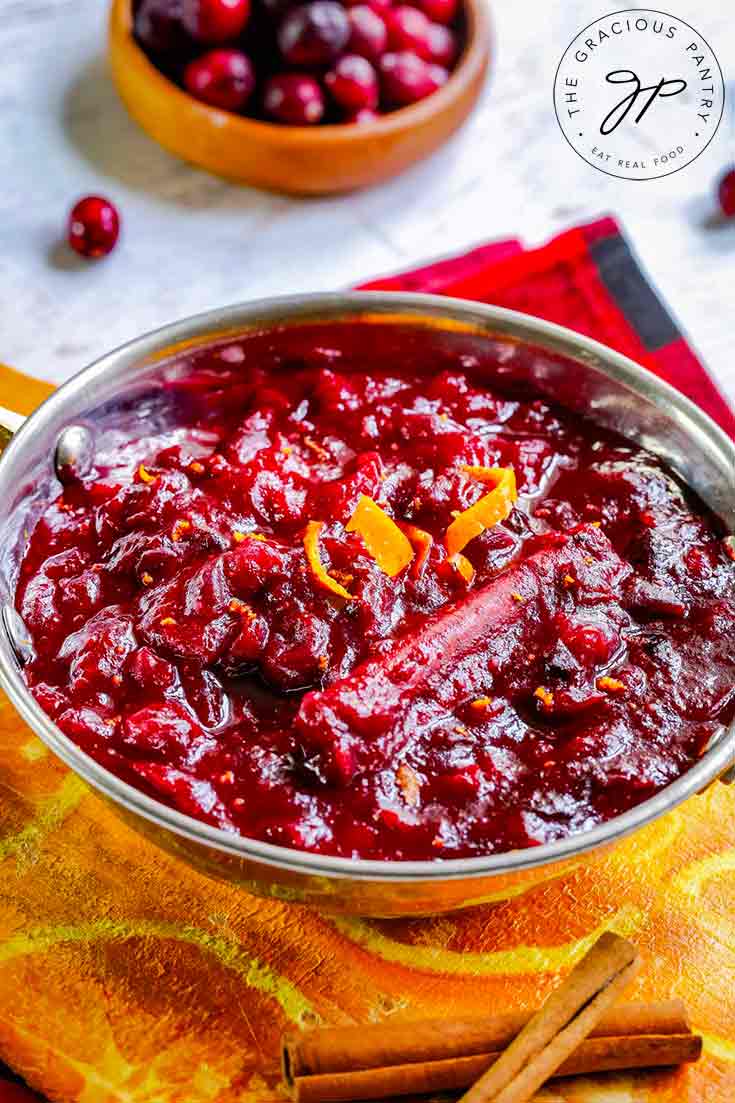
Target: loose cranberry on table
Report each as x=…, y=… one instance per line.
x=726, y=193
x=368, y=32
x=407, y=78
x=214, y=21
x=294, y=98
x=353, y=83
x=94, y=227
x=314, y=34
x=222, y=78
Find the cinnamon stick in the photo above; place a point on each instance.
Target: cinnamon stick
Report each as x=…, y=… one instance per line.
x=599, y=1054
x=373, y=708
x=561, y=1025
x=346, y=1049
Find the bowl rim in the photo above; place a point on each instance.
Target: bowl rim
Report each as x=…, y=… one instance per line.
x=470, y=63
x=213, y=326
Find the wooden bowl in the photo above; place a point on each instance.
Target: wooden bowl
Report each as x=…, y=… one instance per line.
x=296, y=159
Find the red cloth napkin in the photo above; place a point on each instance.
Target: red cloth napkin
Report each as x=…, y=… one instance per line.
x=589, y=280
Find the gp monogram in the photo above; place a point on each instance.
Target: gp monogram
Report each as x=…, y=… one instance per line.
x=639, y=94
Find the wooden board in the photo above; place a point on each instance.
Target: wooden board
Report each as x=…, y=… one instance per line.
x=127, y=978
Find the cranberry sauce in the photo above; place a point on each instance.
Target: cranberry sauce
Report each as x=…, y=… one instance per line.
x=573, y=660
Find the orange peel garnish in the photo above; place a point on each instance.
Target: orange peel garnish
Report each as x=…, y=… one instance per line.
x=489, y=510
x=410, y=785
x=610, y=685
x=179, y=529
x=545, y=696
x=311, y=547
x=422, y=542
x=316, y=448
x=463, y=566
x=144, y=474
x=390, y=548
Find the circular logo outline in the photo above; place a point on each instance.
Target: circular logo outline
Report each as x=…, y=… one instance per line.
x=670, y=172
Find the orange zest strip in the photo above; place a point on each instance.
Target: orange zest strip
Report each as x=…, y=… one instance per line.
x=390, y=548
x=463, y=565
x=610, y=685
x=545, y=696
x=311, y=547
x=421, y=542
x=179, y=529
x=410, y=785
x=488, y=511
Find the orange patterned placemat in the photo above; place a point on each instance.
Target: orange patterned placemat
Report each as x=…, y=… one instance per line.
x=127, y=978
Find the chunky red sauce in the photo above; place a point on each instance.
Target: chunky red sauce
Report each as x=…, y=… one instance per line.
x=183, y=639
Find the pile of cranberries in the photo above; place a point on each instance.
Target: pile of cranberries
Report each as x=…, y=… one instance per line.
x=324, y=61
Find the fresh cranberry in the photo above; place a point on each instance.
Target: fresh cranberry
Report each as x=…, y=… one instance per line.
x=353, y=83
x=314, y=34
x=215, y=21
x=443, y=45
x=222, y=78
x=438, y=11
x=366, y=115
x=158, y=26
x=94, y=227
x=294, y=98
x=726, y=193
x=409, y=29
x=406, y=78
x=368, y=33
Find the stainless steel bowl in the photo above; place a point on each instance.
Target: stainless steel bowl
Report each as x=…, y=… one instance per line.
x=579, y=372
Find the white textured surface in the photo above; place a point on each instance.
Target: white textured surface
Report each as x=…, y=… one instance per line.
x=192, y=242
